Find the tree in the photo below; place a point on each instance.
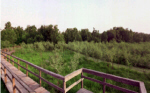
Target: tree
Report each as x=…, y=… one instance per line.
x=19, y=32
x=9, y=35
x=8, y=25
x=95, y=36
x=85, y=34
x=104, y=37
x=71, y=35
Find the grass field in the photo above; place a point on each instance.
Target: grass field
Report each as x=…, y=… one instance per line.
x=63, y=61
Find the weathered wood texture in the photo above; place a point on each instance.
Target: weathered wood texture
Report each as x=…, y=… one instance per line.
x=20, y=81
x=75, y=83
x=82, y=90
x=115, y=78
x=73, y=74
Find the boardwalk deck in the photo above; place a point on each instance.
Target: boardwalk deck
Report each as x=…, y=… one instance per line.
x=24, y=79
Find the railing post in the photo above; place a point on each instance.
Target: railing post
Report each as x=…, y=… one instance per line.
x=5, y=74
x=5, y=57
x=1, y=69
x=26, y=68
x=4, y=54
x=18, y=65
x=9, y=58
x=14, y=85
x=13, y=61
x=39, y=78
x=104, y=80
x=64, y=86
x=82, y=80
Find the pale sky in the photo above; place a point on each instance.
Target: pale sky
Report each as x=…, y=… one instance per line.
x=100, y=14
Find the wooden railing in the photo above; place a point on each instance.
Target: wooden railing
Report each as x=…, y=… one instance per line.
x=13, y=78
x=80, y=71
x=37, y=67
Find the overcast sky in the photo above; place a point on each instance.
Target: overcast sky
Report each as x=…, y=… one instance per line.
x=100, y=14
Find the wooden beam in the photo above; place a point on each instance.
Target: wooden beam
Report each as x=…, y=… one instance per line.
x=39, y=78
x=64, y=87
x=82, y=80
x=75, y=83
x=142, y=87
x=18, y=65
x=13, y=61
x=5, y=74
x=13, y=84
x=112, y=77
x=39, y=68
x=17, y=79
x=27, y=70
x=73, y=74
x=110, y=85
x=104, y=80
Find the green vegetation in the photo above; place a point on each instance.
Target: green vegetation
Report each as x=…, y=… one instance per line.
x=135, y=54
x=64, y=52
x=60, y=60
x=16, y=35
x=3, y=87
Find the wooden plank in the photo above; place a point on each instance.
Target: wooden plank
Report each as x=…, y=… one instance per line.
x=8, y=84
x=34, y=86
x=25, y=86
x=75, y=83
x=82, y=90
x=142, y=87
x=73, y=74
x=110, y=85
x=112, y=77
x=64, y=86
x=41, y=90
x=5, y=74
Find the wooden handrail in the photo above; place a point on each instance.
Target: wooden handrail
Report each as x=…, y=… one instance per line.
x=75, y=83
x=115, y=78
x=70, y=76
x=142, y=87
x=15, y=77
x=112, y=77
x=40, y=69
x=73, y=74
x=110, y=85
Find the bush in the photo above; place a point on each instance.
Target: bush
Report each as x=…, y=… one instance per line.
x=38, y=46
x=5, y=44
x=48, y=46
x=134, y=54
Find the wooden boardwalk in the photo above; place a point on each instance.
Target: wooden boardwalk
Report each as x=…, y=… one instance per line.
x=23, y=78
x=18, y=82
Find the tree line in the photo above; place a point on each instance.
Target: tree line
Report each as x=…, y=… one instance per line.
x=16, y=35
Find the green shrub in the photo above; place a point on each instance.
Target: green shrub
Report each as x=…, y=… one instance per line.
x=5, y=44
x=48, y=46
x=38, y=46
